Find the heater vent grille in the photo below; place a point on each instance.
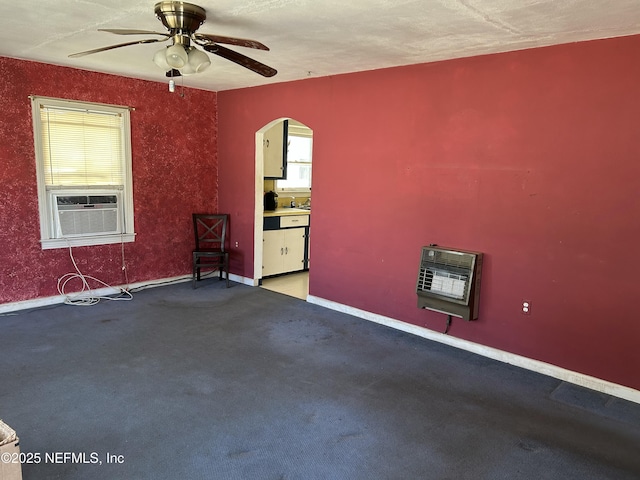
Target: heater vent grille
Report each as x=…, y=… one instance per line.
x=448, y=281
x=444, y=283
x=446, y=273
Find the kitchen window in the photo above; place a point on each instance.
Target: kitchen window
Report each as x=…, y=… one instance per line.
x=83, y=167
x=299, y=155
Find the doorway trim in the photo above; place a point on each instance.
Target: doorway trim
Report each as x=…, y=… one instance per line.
x=259, y=201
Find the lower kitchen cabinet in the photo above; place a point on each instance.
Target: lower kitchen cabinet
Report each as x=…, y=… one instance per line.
x=283, y=250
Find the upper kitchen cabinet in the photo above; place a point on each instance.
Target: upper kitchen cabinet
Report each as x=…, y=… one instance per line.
x=274, y=146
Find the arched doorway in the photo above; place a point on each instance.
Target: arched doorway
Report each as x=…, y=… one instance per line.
x=293, y=187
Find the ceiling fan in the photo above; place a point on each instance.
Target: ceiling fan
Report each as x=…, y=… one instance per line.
x=182, y=21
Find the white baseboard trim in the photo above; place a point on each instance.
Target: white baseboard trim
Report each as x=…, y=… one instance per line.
x=244, y=280
x=554, y=371
x=105, y=291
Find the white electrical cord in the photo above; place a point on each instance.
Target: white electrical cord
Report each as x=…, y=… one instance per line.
x=85, y=297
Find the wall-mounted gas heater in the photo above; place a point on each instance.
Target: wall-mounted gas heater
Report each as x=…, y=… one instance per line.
x=449, y=281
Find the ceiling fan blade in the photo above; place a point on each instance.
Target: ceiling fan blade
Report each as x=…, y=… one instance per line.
x=128, y=31
x=111, y=47
x=242, y=60
x=241, y=42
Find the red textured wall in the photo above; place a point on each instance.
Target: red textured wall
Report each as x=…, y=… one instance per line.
x=531, y=157
x=174, y=148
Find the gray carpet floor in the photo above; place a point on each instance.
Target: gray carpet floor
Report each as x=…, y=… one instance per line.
x=244, y=383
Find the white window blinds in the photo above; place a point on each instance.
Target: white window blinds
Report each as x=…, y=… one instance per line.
x=81, y=147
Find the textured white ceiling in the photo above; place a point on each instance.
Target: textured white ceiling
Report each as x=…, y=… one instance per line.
x=309, y=37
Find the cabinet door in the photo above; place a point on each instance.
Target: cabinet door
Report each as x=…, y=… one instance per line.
x=293, y=249
x=272, y=252
x=274, y=148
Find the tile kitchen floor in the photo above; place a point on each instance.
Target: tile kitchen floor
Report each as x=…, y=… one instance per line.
x=293, y=284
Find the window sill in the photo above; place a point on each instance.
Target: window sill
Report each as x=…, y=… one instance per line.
x=52, y=243
x=286, y=191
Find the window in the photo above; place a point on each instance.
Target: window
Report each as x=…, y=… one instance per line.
x=83, y=165
x=299, y=155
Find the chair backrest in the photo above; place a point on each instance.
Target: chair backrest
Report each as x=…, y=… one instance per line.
x=210, y=231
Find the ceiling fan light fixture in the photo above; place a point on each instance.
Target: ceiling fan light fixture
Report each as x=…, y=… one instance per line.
x=188, y=68
x=182, y=20
x=160, y=59
x=198, y=60
x=176, y=56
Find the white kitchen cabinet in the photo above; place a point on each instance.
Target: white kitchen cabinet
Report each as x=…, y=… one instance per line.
x=283, y=250
x=272, y=252
x=274, y=149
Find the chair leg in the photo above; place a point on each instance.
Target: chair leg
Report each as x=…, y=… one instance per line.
x=196, y=273
x=226, y=268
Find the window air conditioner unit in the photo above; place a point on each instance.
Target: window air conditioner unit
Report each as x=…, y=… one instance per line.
x=449, y=281
x=86, y=214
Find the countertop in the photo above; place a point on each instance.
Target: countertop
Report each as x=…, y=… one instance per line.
x=283, y=211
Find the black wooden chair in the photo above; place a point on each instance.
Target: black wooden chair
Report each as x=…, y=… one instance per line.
x=211, y=236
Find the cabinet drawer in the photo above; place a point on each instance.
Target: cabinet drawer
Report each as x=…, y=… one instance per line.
x=294, y=221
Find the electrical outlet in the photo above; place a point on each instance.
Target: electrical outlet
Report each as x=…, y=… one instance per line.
x=526, y=307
